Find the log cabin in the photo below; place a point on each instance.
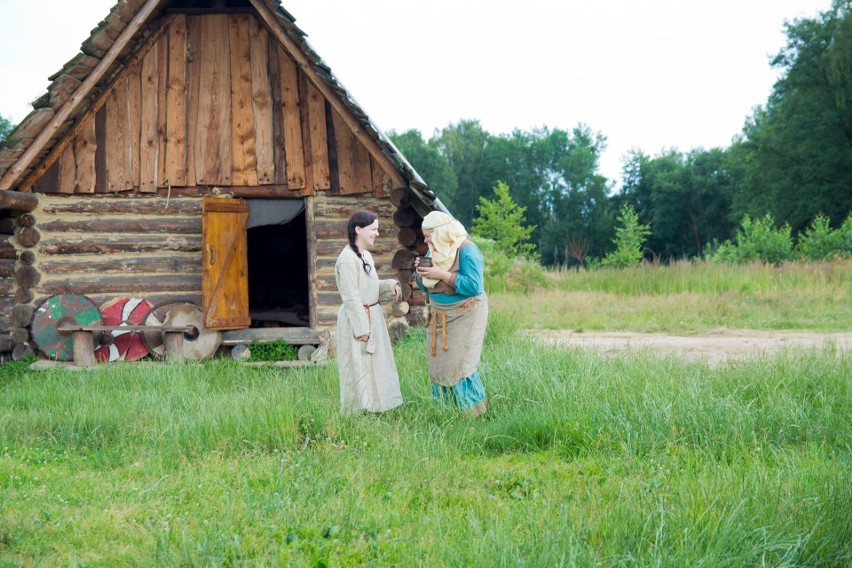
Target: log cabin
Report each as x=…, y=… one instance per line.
x=200, y=151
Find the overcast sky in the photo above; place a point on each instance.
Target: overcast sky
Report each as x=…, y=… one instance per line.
x=647, y=74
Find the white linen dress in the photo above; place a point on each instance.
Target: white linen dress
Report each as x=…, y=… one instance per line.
x=368, y=377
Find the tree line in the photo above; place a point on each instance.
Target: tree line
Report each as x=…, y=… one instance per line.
x=791, y=164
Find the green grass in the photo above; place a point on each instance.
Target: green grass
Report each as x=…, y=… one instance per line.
x=583, y=460
x=683, y=298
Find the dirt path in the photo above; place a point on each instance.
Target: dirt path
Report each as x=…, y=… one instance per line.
x=714, y=347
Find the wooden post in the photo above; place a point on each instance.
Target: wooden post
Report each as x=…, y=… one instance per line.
x=173, y=344
x=83, y=346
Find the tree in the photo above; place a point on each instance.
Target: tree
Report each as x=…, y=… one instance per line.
x=463, y=146
x=427, y=161
x=5, y=127
x=794, y=159
x=502, y=221
x=685, y=197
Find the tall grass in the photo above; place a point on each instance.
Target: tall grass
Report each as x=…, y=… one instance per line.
x=582, y=460
x=680, y=298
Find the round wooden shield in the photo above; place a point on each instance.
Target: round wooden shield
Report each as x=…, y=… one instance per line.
x=125, y=345
x=200, y=343
x=61, y=309
x=154, y=339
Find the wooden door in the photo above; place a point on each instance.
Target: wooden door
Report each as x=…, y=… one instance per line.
x=224, y=274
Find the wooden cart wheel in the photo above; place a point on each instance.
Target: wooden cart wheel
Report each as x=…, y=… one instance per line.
x=154, y=339
x=55, y=311
x=199, y=344
x=125, y=345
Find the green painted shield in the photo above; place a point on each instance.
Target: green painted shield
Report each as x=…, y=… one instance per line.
x=66, y=309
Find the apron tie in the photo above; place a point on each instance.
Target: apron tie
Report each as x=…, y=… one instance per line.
x=443, y=332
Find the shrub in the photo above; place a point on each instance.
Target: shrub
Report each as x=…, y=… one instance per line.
x=757, y=240
x=819, y=242
x=504, y=273
x=273, y=351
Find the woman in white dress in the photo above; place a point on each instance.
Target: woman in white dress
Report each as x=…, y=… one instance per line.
x=368, y=376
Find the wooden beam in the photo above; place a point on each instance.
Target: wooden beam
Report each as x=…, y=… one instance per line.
x=14, y=173
x=304, y=63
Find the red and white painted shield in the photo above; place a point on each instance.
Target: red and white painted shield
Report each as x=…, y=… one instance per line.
x=126, y=345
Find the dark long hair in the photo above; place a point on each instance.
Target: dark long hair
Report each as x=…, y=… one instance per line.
x=359, y=219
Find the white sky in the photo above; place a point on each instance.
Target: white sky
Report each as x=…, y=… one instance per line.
x=647, y=74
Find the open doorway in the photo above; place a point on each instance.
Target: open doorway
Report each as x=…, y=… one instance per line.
x=278, y=263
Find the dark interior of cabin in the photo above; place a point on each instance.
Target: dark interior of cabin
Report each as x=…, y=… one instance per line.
x=278, y=273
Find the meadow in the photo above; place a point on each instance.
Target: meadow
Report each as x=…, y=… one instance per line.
x=633, y=459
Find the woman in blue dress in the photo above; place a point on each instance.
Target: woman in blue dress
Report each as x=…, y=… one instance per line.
x=453, y=279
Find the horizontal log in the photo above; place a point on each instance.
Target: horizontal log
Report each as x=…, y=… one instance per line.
x=399, y=309
x=277, y=191
x=6, y=343
x=7, y=287
x=326, y=319
x=417, y=316
x=7, y=247
x=22, y=315
x=22, y=351
x=159, y=264
x=19, y=335
x=400, y=197
x=418, y=297
x=7, y=226
x=398, y=328
x=17, y=201
x=27, y=257
x=343, y=209
x=333, y=247
x=406, y=236
x=23, y=295
x=27, y=276
x=156, y=298
x=406, y=289
x=403, y=259
x=28, y=237
x=136, y=206
x=405, y=217
x=7, y=267
x=405, y=275
x=131, y=285
x=179, y=225
x=123, y=244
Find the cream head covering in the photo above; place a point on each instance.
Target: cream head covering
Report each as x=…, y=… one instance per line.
x=447, y=236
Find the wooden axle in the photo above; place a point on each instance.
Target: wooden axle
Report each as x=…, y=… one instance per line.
x=66, y=329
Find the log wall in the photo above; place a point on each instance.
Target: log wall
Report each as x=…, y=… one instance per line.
x=330, y=214
x=108, y=248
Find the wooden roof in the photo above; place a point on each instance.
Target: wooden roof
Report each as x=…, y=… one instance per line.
x=115, y=44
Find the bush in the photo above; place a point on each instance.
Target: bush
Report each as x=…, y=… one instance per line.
x=504, y=273
x=757, y=240
x=819, y=242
